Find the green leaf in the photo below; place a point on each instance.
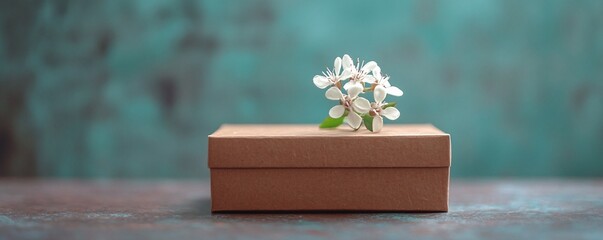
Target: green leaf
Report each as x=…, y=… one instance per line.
x=391, y=104
x=368, y=122
x=330, y=122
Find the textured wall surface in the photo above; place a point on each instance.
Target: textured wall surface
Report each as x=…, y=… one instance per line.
x=132, y=88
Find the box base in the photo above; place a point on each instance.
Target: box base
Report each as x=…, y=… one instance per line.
x=330, y=189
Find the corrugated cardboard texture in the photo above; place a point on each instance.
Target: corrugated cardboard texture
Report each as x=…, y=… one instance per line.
x=303, y=168
x=301, y=146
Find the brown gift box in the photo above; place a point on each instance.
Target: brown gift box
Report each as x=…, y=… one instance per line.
x=304, y=168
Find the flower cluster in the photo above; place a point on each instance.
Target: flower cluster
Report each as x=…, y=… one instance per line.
x=357, y=79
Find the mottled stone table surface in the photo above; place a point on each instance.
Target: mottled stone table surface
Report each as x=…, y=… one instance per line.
x=493, y=209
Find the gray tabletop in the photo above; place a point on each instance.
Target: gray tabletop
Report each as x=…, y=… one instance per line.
x=493, y=209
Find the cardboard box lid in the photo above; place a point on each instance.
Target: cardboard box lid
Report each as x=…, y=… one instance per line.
x=307, y=146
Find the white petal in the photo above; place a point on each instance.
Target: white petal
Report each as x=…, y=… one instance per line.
x=380, y=93
x=377, y=72
x=354, y=90
x=394, y=91
x=391, y=113
x=337, y=65
x=362, y=105
x=354, y=120
x=377, y=123
x=334, y=94
x=337, y=111
x=369, y=79
x=347, y=85
x=385, y=82
x=369, y=66
x=321, y=81
x=347, y=61
x=345, y=75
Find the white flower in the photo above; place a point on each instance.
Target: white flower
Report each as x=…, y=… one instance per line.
x=352, y=102
x=357, y=73
x=383, y=87
x=379, y=109
x=351, y=105
x=331, y=77
x=378, y=112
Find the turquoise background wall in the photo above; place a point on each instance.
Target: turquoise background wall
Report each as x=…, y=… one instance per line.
x=128, y=89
